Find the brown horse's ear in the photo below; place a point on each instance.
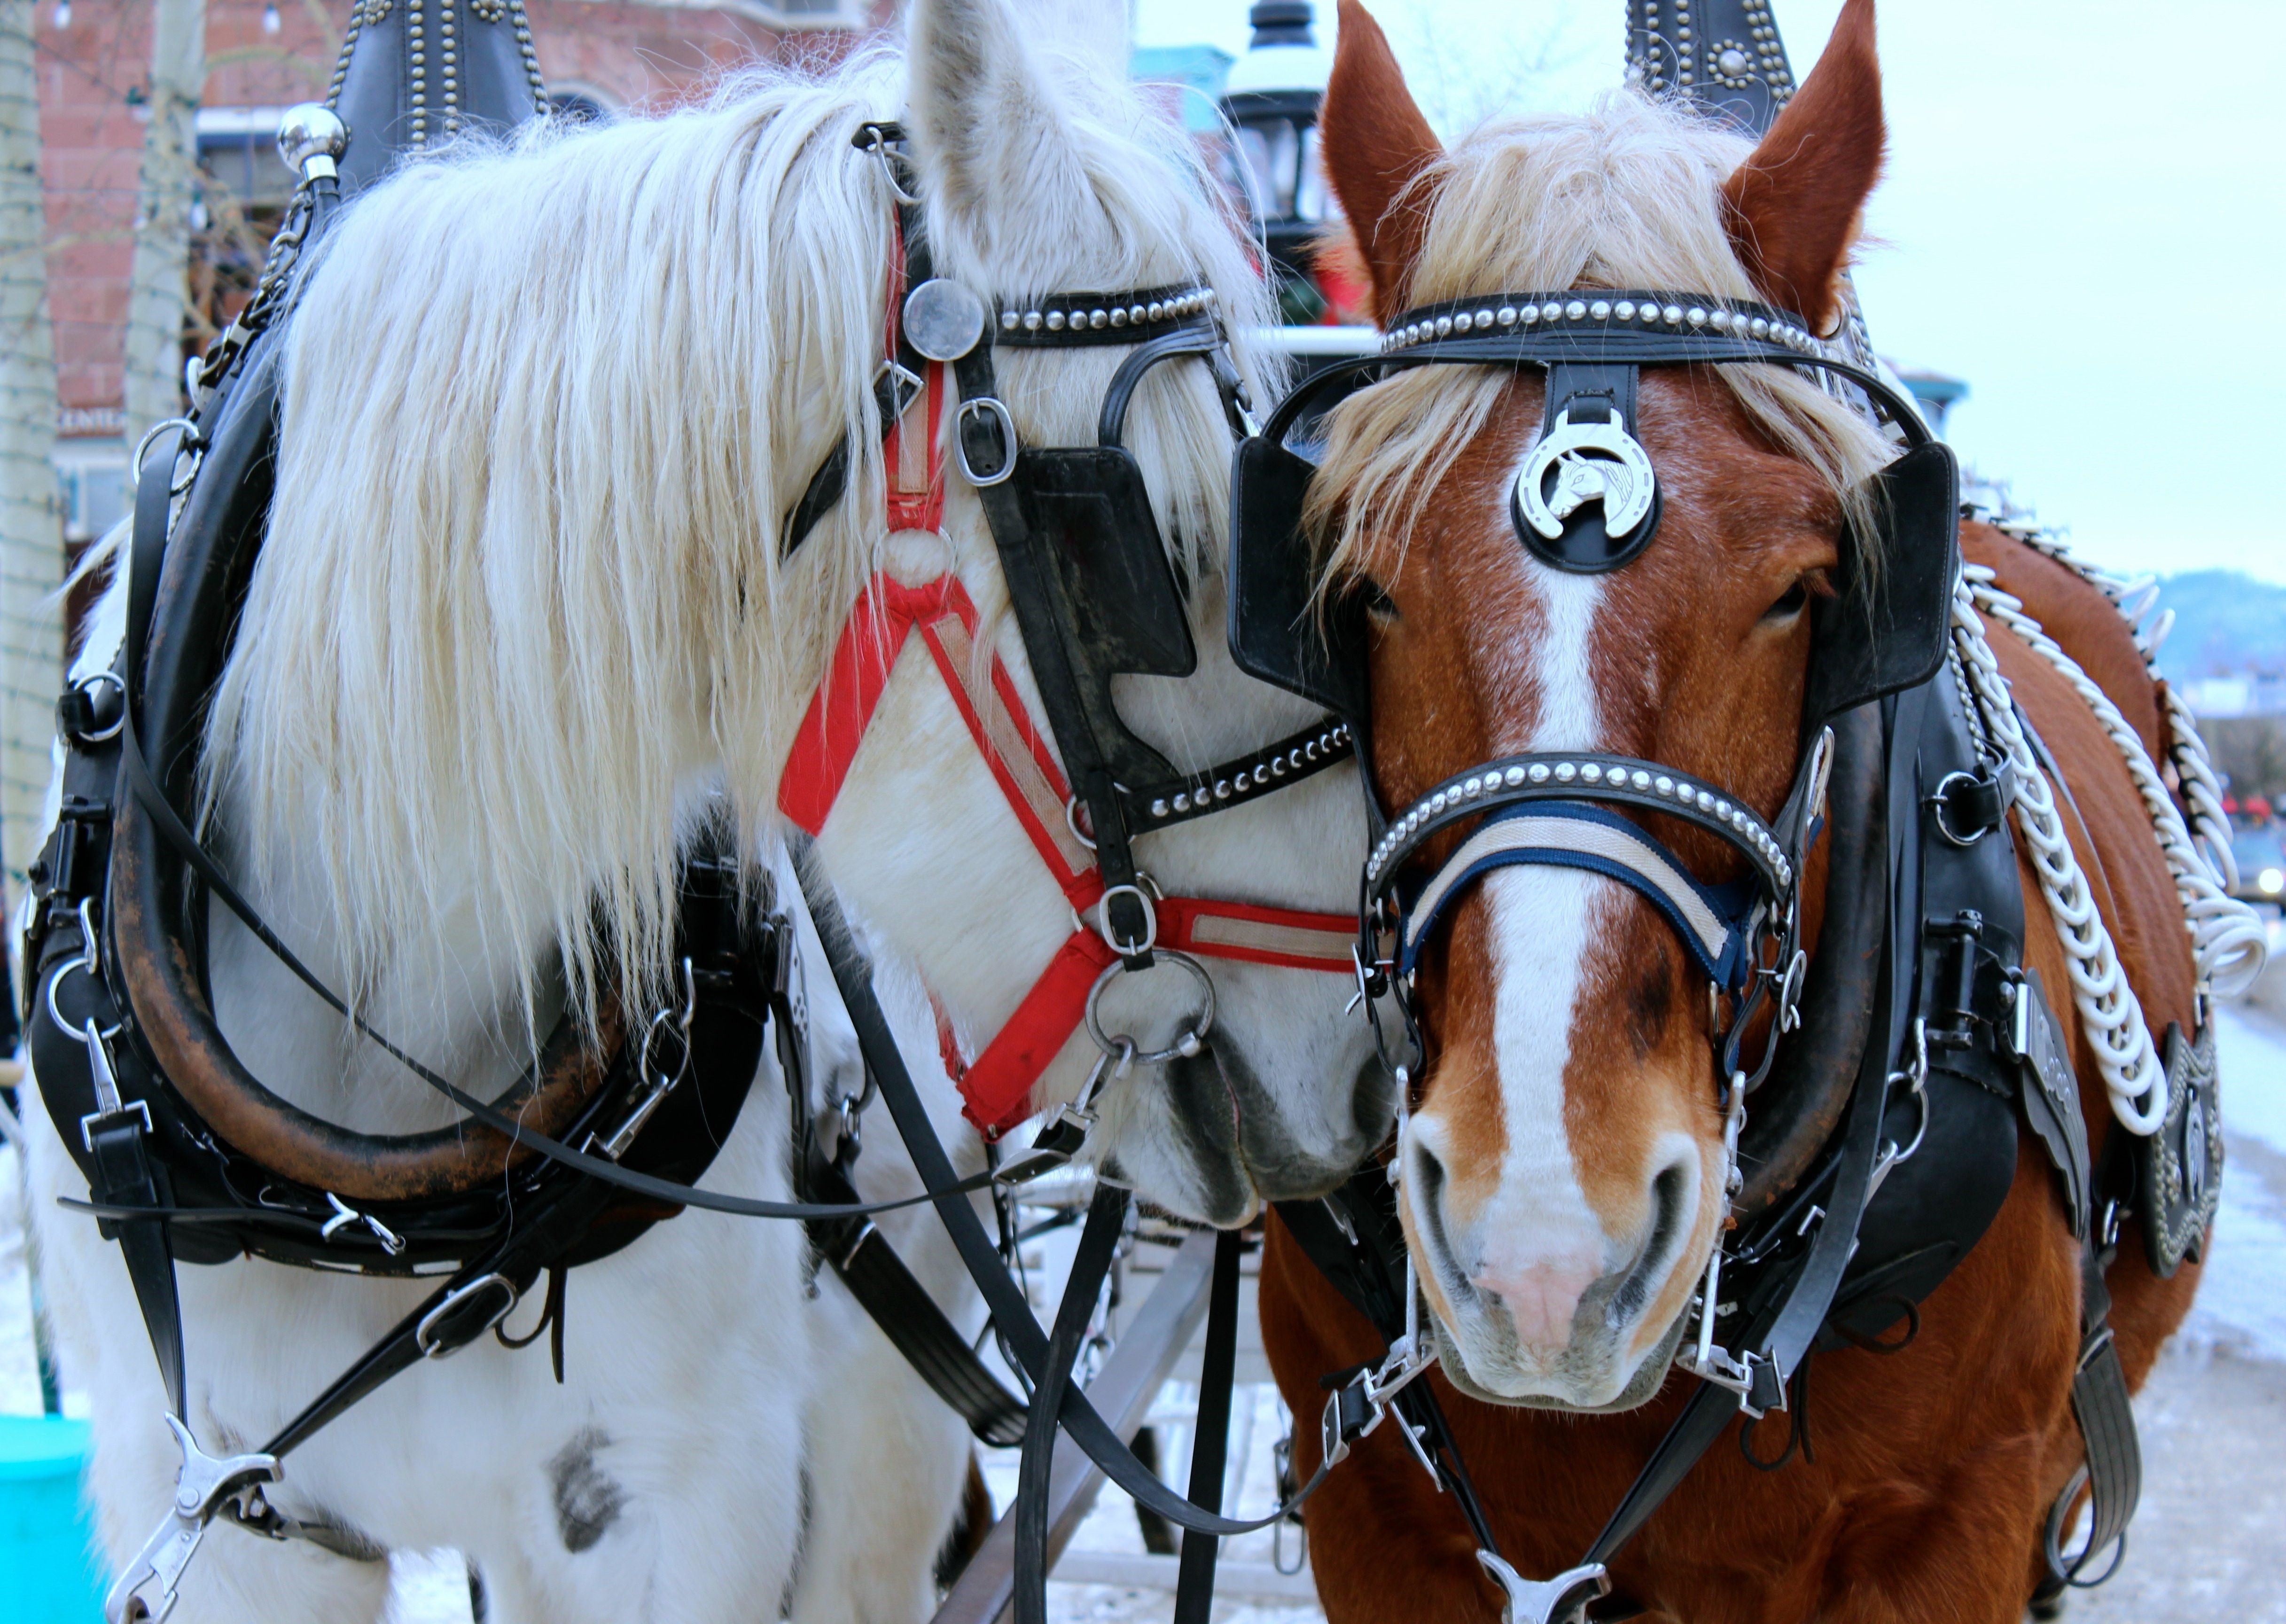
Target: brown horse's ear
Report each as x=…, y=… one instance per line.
x=1793, y=207
x=1376, y=144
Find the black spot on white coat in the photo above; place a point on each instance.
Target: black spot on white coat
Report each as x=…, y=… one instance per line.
x=587, y=1501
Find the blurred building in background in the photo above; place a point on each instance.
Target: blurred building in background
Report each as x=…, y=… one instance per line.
x=91, y=62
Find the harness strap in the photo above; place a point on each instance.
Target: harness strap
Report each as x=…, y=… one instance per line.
x=996, y=1084
x=1210, y=1436
x=1106, y=1215
x=909, y=1317
x=1026, y=1341
x=117, y=1139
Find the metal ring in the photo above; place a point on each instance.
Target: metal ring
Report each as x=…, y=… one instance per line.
x=999, y=410
x=1126, y=949
x=143, y=447
x=84, y=685
x=1071, y=821
x=1188, y=1043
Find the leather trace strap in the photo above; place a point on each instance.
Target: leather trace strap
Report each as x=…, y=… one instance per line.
x=1021, y=1331
x=997, y=1083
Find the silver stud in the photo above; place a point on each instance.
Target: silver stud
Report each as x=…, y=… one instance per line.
x=1576, y=311
x=1721, y=808
x=1182, y=803
x=1099, y=317
x=1642, y=779
x=1551, y=311
x=1672, y=314
x=1155, y=310
x=1436, y=803
x=1566, y=772
x=1592, y=772
x=1759, y=328
x=1135, y=315
x=1720, y=321
x=1663, y=784
x=1055, y=321
x=1031, y=321
x=1695, y=316
x=1601, y=309
x=1705, y=801
x=1508, y=315
x=1531, y=314
x=1222, y=789
x=1625, y=310
x=1462, y=322
x=1010, y=321
x=1278, y=768
x=1444, y=326
x=1537, y=772
x=1310, y=750
x=1515, y=777
x=1159, y=807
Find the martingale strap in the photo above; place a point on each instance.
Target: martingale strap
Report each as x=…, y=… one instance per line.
x=887, y=616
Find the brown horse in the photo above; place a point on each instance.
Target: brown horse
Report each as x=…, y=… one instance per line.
x=1566, y=1111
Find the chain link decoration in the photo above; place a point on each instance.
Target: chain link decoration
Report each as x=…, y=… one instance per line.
x=2227, y=945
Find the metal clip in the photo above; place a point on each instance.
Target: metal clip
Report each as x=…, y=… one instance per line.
x=201, y=1484
x=658, y=1084
x=1060, y=1140
x=1561, y=1600
x=345, y=1215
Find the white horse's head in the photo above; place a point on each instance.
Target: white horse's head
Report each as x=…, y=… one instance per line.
x=1041, y=171
x=546, y=409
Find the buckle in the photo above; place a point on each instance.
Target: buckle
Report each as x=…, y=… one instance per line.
x=447, y=1328
x=97, y=1122
x=1561, y=1600
x=1974, y=803
x=997, y=411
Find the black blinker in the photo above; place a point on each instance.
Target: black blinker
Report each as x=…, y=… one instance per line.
x=1883, y=636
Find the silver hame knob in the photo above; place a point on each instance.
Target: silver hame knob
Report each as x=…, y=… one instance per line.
x=309, y=133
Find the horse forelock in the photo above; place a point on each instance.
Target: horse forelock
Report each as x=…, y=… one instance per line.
x=546, y=404
x=1625, y=195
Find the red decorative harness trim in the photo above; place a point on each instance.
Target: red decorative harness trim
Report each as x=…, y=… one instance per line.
x=996, y=1085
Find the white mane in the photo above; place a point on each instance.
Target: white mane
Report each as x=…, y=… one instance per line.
x=545, y=407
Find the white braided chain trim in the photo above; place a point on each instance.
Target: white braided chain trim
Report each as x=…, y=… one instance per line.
x=2187, y=749
x=2227, y=945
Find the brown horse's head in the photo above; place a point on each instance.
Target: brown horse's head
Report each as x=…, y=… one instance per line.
x=1563, y=1169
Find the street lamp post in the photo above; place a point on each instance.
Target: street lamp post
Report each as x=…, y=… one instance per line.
x=1272, y=101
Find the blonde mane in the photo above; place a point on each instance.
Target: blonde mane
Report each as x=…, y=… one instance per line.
x=546, y=405
x=1622, y=196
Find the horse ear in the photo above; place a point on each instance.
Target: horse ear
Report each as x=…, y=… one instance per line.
x=1377, y=145
x=1793, y=207
x=993, y=141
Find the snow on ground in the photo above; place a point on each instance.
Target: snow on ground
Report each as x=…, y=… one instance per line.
x=2222, y=1383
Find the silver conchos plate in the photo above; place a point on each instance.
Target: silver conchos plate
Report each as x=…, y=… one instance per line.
x=943, y=321
x=1598, y=463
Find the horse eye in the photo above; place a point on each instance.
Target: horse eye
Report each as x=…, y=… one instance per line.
x=1378, y=603
x=1790, y=603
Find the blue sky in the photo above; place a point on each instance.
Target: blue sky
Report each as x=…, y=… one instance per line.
x=2085, y=216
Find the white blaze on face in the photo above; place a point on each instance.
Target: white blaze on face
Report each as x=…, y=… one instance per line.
x=1536, y=1242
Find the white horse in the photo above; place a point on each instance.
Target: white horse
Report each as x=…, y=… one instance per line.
x=520, y=611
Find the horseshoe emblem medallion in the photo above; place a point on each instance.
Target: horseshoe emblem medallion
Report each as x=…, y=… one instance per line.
x=1598, y=462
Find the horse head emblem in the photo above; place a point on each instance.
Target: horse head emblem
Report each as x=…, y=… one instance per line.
x=1588, y=462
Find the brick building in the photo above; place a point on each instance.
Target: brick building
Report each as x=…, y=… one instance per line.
x=91, y=62
x=262, y=56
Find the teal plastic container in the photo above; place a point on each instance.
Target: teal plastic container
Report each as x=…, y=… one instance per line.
x=48, y=1572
